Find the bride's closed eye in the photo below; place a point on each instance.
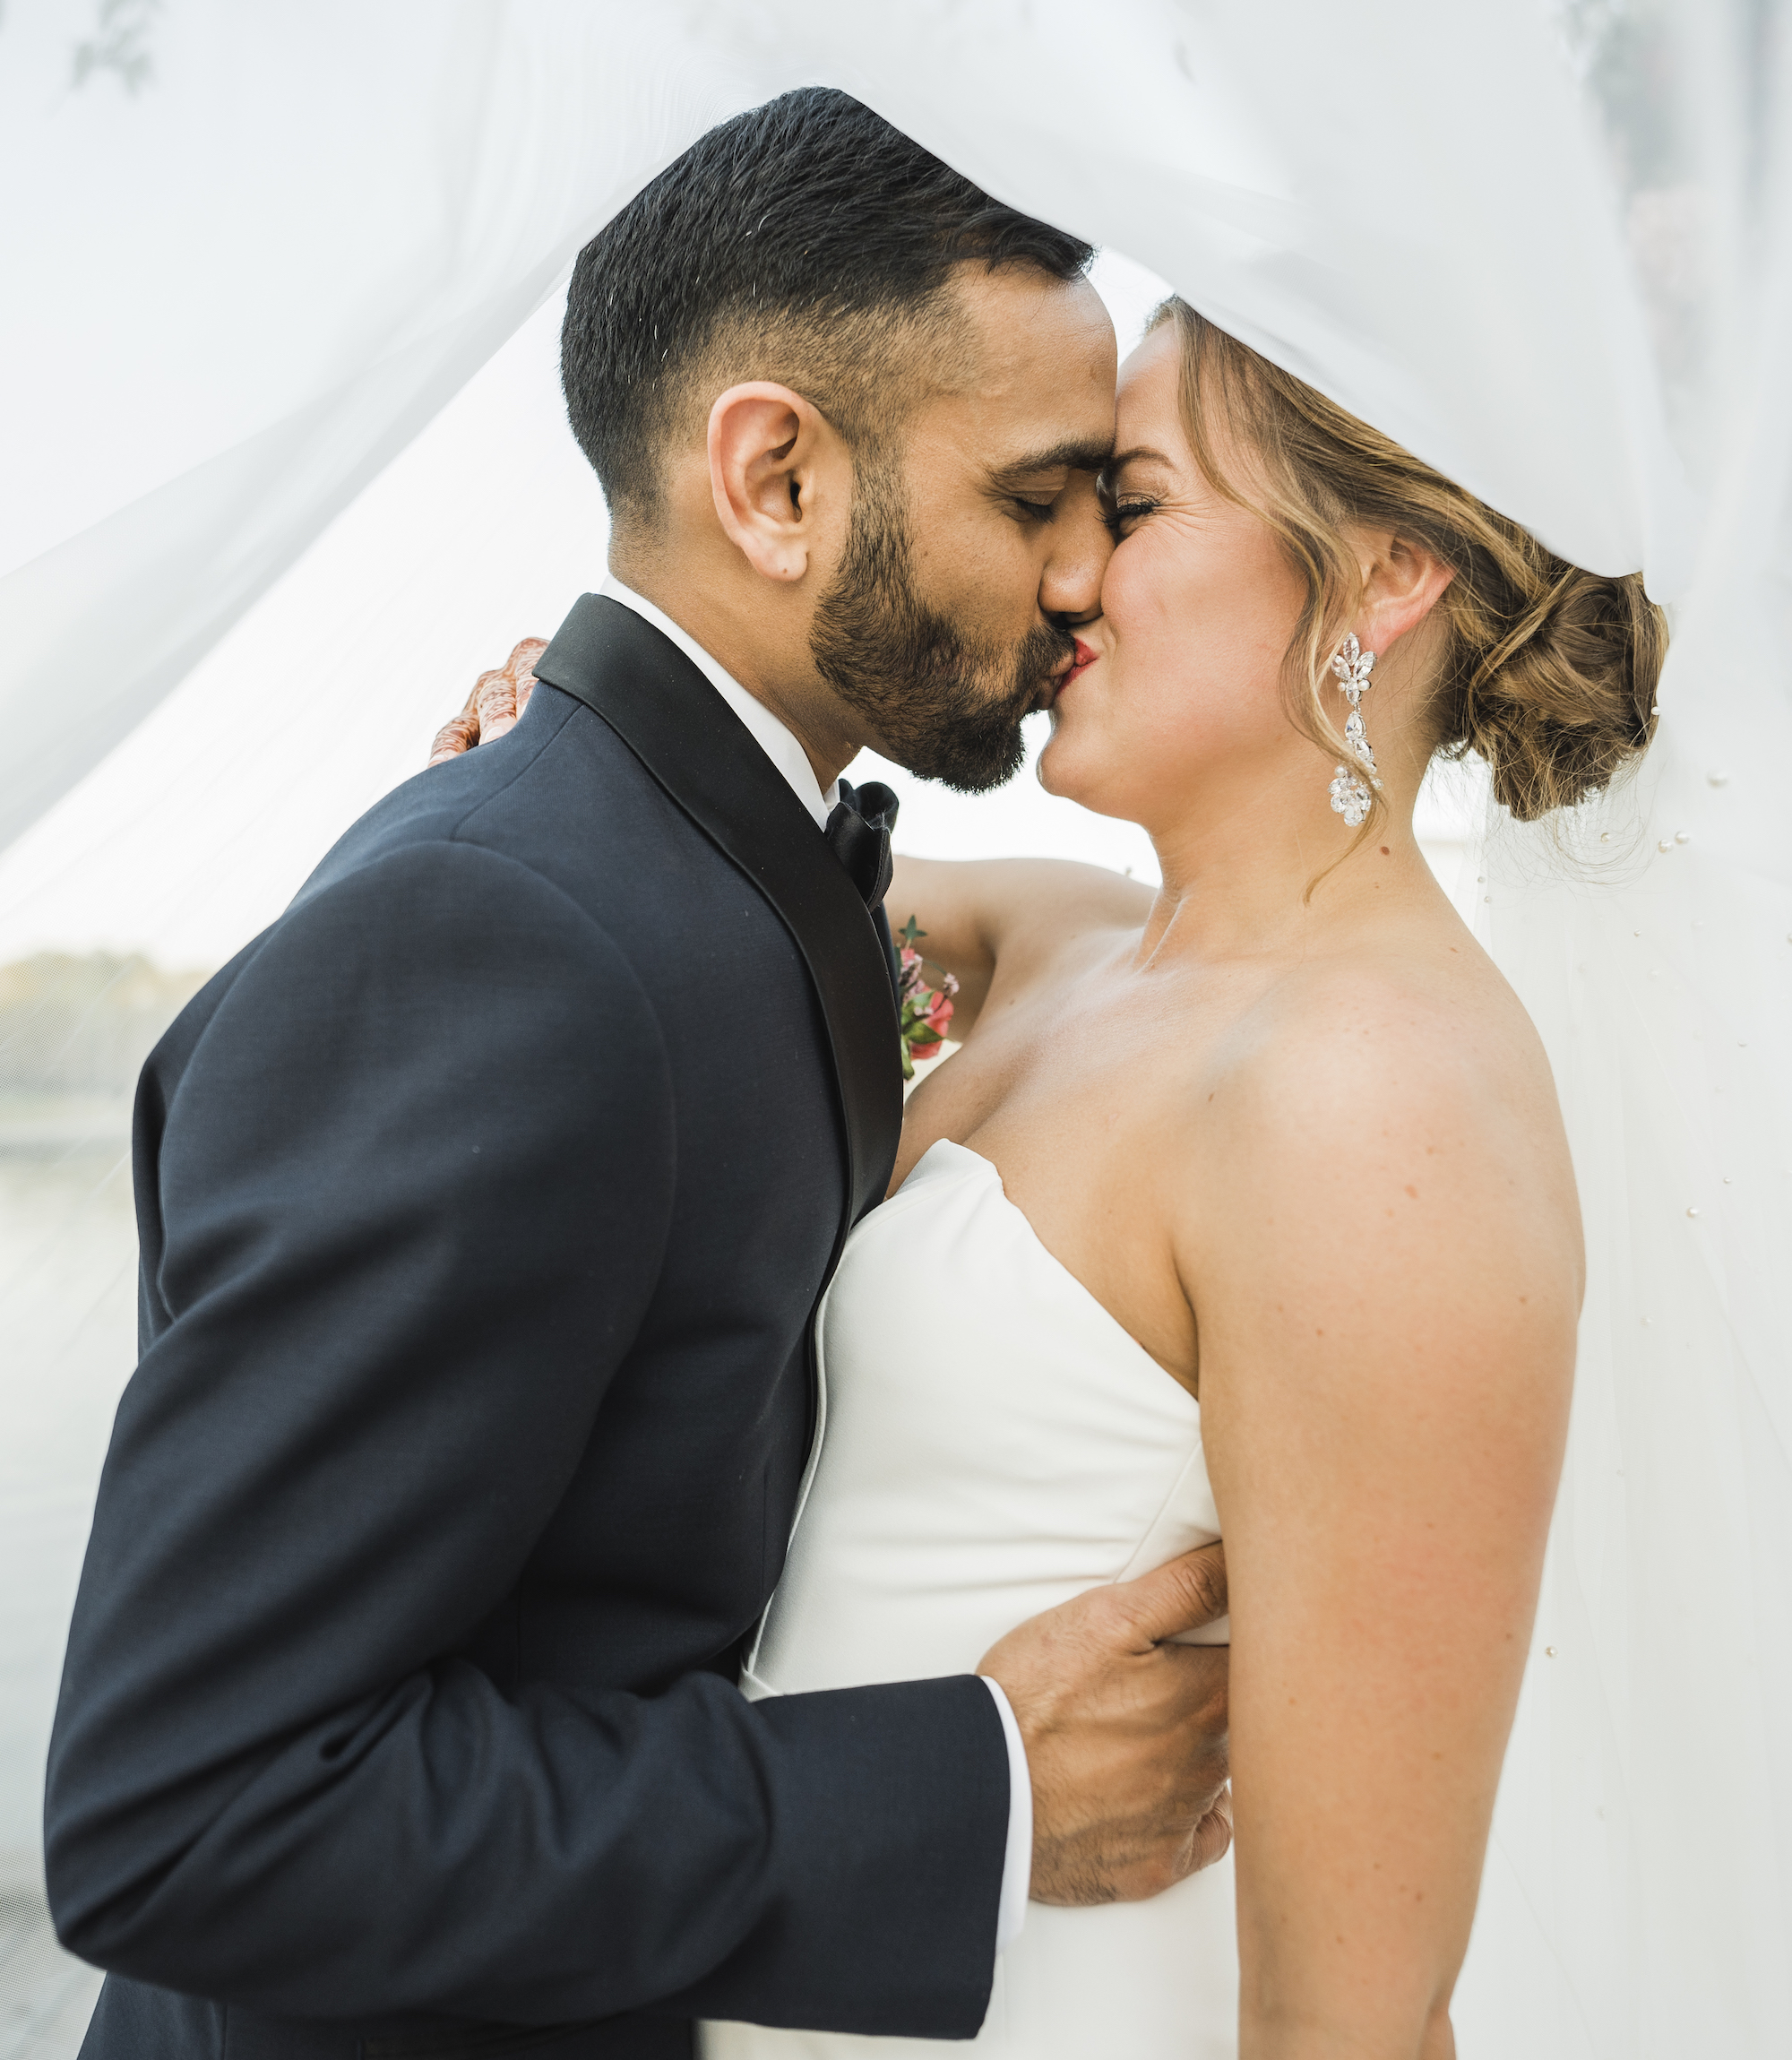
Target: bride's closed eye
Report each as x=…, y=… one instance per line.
x=1121, y=513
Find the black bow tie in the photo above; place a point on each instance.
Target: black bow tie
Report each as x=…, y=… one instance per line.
x=858, y=836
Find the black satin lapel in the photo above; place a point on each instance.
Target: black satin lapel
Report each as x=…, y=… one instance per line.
x=697, y=749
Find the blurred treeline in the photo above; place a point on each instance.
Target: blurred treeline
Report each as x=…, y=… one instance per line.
x=84, y=1025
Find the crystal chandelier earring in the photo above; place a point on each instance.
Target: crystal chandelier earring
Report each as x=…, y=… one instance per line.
x=1349, y=797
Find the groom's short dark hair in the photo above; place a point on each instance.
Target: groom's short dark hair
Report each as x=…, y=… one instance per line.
x=807, y=242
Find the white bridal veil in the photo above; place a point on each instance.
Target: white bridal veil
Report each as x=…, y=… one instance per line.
x=253, y=251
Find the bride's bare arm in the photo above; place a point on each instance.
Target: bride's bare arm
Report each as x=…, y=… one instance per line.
x=978, y=912
x=1384, y=1261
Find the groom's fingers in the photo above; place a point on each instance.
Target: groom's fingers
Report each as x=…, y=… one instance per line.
x=1180, y=1596
x=1212, y=1838
x=1124, y=1732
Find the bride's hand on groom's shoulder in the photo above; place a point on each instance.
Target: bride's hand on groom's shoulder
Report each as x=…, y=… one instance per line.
x=498, y=698
x=1125, y=1733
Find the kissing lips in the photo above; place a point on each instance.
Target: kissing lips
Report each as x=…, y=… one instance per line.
x=1086, y=655
x=1082, y=657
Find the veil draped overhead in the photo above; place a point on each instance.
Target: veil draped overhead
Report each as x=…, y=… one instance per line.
x=1548, y=247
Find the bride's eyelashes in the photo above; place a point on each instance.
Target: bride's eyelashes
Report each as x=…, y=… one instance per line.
x=1121, y=513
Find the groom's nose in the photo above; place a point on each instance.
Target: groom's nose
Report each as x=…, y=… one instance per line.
x=1070, y=587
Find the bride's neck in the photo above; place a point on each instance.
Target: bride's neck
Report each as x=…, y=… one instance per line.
x=1276, y=874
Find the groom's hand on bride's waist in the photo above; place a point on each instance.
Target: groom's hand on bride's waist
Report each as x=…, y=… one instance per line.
x=1125, y=1734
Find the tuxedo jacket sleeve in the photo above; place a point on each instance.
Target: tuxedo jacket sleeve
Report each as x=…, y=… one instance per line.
x=391, y=1263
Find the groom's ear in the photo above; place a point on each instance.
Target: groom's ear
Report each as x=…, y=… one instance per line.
x=773, y=458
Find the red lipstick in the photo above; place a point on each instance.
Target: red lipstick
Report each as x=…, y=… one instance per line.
x=1086, y=656
x=1083, y=655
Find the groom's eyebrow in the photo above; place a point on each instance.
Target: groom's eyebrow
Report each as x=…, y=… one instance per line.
x=1077, y=455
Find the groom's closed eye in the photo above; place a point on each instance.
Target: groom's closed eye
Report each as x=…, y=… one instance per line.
x=1033, y=485
x=1032, y=496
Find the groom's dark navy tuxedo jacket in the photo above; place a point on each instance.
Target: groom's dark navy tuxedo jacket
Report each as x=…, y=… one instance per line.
x=485, y=1201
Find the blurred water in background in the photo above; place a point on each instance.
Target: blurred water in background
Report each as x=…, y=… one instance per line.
x=67, y=1243
x=73, y=1032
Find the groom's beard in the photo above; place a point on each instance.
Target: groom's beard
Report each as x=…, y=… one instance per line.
x=946, y=705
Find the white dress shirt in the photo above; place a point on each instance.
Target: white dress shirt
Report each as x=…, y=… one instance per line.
x=792, y=761
x=767, y=732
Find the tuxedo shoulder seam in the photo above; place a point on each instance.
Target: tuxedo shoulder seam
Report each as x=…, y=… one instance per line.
x=539, y=745
x=454, y=841
x=415, y=847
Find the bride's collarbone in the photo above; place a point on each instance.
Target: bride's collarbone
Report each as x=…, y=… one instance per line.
x=1078, y=1104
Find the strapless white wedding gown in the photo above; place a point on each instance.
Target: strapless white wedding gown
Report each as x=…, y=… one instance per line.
x=991, y=1443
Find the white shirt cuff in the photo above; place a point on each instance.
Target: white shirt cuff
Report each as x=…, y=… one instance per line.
x=1017, y=1865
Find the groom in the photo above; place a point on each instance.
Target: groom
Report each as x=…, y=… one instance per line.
x=486, y=1200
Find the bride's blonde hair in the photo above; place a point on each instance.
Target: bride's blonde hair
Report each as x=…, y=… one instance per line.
x=1548, y=673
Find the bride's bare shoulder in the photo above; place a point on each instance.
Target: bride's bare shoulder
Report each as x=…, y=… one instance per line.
x=1383, y=1079
x=1431, y=1009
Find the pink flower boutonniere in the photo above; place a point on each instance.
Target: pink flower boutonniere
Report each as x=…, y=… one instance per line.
x=925, y=1011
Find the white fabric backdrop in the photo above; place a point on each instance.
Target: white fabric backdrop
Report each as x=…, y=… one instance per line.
x=1551, y=251
x=240, y=291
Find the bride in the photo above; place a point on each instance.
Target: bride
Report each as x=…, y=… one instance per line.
x=1244, y=1208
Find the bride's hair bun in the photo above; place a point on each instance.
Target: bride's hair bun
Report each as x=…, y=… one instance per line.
x=1553, y=676
x=1549, y=672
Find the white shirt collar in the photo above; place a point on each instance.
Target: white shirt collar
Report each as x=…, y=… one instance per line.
x=769, y=733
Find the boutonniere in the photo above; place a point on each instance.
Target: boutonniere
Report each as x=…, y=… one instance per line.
x=923, y=1009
